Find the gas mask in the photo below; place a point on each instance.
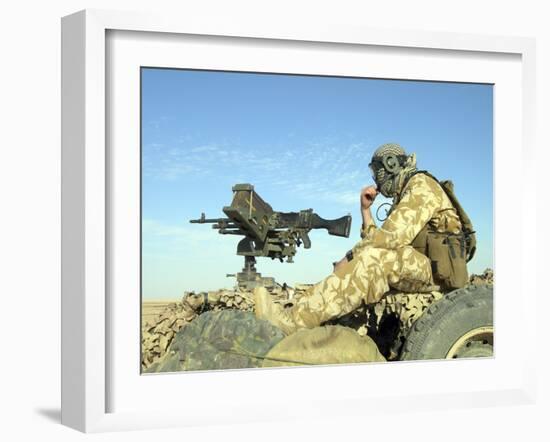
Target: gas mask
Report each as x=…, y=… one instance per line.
x=387, y=165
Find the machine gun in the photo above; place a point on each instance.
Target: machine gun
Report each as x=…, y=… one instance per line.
x=268, y=233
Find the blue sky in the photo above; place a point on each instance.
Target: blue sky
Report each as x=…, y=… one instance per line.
x=303, y=142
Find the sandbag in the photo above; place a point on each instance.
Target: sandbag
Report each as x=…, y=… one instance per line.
x=333, y=344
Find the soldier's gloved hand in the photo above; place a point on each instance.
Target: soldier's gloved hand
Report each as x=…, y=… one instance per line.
x=368, y=194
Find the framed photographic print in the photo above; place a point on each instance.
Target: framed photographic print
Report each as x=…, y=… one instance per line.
x=207, y=135
x=255, y=211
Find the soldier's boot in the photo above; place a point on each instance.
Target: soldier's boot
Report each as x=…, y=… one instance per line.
x=275, y=313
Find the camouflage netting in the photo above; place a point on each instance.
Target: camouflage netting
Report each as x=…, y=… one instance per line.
x=216, y=340
x=386, y=321
x=485, y=278
x=157, y=335
x=383, y=321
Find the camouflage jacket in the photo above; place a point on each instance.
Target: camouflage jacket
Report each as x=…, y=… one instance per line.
x=421, y=202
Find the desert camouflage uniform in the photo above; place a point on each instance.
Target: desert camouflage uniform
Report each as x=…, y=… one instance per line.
x=384, y=258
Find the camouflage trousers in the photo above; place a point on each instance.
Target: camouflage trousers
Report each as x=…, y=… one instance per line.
x=364, y=279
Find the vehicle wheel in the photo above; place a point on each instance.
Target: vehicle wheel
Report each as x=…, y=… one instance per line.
x=460, y=325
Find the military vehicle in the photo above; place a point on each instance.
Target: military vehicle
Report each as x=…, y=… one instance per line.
x=436, y=324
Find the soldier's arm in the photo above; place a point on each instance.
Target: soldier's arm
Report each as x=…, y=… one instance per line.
x=368, y=195
x=421, y=199
x=367, y=222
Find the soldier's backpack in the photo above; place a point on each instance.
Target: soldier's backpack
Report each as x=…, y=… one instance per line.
x=448, y=252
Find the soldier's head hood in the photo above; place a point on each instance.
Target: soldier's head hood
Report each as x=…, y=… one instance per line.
x=391, y=166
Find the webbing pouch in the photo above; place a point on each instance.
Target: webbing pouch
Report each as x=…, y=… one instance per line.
x=448, y=257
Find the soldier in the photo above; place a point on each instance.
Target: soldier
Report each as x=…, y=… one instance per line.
x=396, y=255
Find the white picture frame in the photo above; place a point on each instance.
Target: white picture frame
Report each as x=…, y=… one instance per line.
x=87, y=206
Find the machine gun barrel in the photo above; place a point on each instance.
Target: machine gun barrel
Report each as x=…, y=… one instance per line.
x=204, y=220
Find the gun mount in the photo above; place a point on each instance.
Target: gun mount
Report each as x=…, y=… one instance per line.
x=268, y=233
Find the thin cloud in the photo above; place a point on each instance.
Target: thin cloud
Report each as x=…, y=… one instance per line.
x=207, y=148
x=323, y=170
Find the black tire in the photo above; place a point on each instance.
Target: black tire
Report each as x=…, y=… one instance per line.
x=451, y=318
